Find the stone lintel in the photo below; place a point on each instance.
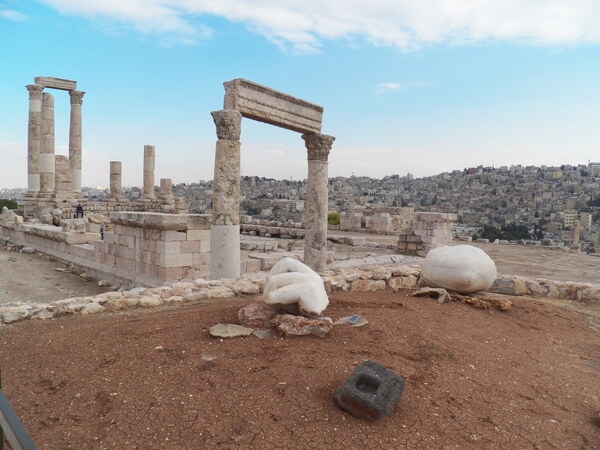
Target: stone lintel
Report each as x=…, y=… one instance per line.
x=162, y=221
x=56, y=83
x=267, y=105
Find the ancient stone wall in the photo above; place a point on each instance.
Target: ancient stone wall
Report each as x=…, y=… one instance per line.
x=429, y=230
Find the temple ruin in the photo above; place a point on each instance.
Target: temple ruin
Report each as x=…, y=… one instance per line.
x=152, y=241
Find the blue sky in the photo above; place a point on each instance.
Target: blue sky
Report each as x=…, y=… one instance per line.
x=406, y=85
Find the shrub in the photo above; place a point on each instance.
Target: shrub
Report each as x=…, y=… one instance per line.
x=10, y=204
x=333, y=219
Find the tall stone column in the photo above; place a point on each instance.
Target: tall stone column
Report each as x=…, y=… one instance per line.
x=115, y=181
x=34, y=139
x=225, y=231
x=149, y=153
x=47, y=147
x=316, y=205
x=75, y=139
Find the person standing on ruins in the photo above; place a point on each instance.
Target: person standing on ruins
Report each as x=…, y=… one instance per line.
x=79, y=211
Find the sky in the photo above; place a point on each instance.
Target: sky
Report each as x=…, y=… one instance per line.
x=407, y=86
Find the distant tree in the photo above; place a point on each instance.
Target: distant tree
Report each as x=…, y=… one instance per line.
x=10, y=204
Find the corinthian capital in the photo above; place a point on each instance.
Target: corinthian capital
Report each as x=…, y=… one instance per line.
x=76, y=97
x=318, y=146
x=228, y=123
x=35, y=91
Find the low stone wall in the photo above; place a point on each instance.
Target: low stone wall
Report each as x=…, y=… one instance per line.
x=149, y=249
x=348, y=279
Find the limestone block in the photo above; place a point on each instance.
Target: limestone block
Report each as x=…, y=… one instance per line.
x=189, y=246
x=170, y=247
x=270, y=106
x=170, y=236
x=175, y=260
x=198, y=235
x=56, y=83
x=290, y=282
x=461, y=268
x=367, y=285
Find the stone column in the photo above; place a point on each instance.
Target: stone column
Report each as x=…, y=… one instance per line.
x=34, y=139
x=225, y=231
x=47, y=147
x=148, y=193
x=75, y=139
x=576, y=234
x=316, y=205
x=115, y=181
x=166, y=189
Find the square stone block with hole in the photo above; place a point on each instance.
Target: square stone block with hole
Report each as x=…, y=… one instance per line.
x=371, y=391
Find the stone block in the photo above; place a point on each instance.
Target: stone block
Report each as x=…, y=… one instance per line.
x=273, y=107
x=371, y=391
x=56, y=83
x=198, y=235
x=190, y=246
x=169, y=236
x=175, y=260
x=169, y=247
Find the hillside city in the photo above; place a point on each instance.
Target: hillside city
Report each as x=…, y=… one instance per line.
x=509, y=203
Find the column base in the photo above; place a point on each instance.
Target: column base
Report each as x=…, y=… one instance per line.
x=225, y=251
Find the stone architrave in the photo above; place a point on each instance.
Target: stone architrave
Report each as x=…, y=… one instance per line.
x=47, y=147
x=34, y=139
x=75, y=139
x=267, y=105
x=225, y=231
x=56, y=83
x=149, y=154
x=315, y=250
x=115, y=181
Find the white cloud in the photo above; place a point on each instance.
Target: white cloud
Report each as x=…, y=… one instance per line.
x=406, y=24
x=398, y=87
x=13, y=15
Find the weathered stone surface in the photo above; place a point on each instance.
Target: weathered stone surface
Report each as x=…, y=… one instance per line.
x=257, y=315
x=367, y=285
x=460, y=268
x=270, y=106
x=92, y=308
x=397, y=283
x=371, y=391
x=56, y=83
x=162, y=221
x=440, y=294
x=227, y=330
x=148, y=301
x=301, y=326
x=290, y=281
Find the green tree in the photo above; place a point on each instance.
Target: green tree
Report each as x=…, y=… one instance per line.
x=10, y=204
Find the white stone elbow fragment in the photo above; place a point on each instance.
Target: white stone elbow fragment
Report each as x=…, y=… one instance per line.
x=460, y=268
x=291, y=281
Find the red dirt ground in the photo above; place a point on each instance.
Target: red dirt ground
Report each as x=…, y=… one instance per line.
x=155, y=379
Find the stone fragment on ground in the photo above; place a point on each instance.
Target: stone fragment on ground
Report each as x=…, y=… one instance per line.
x=460, y=268
x=440, y=294
x=257, y=315
x=290, y=324
x=228, y=330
